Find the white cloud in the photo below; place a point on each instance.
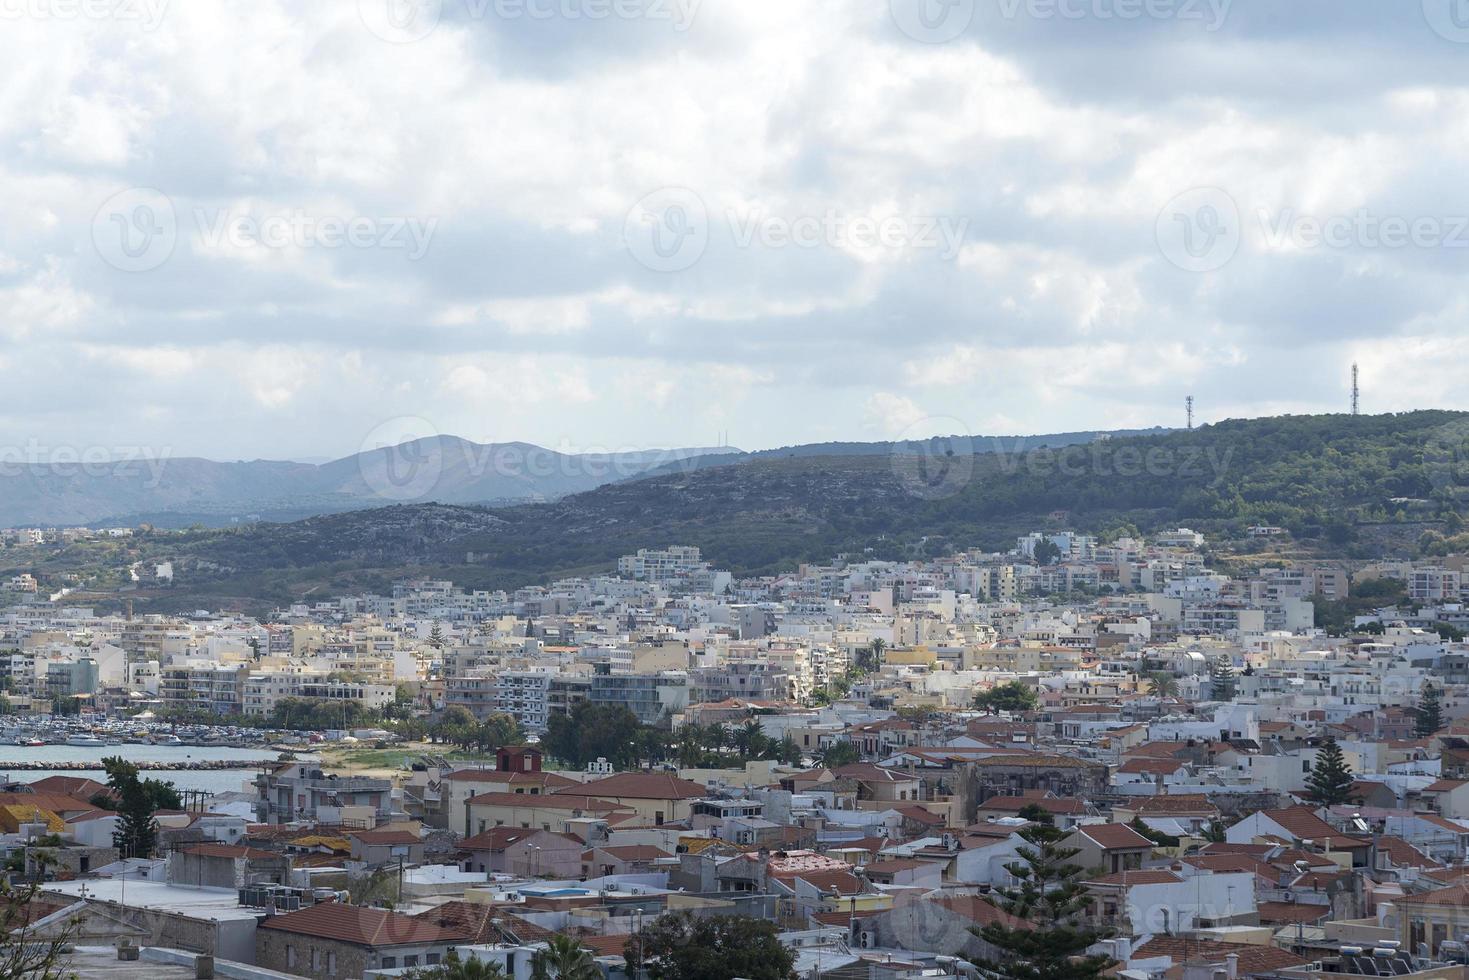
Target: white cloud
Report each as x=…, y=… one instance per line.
x=527, y=142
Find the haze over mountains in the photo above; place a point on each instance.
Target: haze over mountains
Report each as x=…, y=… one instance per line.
x=177, y=492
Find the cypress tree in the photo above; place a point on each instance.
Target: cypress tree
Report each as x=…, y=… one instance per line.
x=1053, y=902
x=1330, y=782
x=1429, y=712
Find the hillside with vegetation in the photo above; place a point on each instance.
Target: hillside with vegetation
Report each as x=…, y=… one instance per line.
x=1340, y=485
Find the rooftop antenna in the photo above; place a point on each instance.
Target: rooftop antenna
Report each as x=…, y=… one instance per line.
x=1190, y=403
x=1356, y=391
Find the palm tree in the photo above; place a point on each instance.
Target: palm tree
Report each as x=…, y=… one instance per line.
x=453, y=968
x=1162, y=684
x=564, y=959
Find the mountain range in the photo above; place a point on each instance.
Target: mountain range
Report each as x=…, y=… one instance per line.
x=174, y=493
x=1341, y=487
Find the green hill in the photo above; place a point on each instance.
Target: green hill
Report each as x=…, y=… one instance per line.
x=1343, y=485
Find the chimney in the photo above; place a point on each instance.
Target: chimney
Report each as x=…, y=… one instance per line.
x=1232, y=962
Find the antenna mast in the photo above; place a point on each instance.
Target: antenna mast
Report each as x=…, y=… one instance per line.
x=1189, y=402
x=1356, y=391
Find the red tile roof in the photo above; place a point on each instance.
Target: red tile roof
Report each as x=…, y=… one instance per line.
x=1272, y=913
x=233, y=852
x=382, y=838
x=361, y=926
x=1114, y=836
x=1252, y=959
x=645, y=786
x=1129, y=878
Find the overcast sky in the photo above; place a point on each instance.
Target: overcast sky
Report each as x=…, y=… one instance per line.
x=284, y=229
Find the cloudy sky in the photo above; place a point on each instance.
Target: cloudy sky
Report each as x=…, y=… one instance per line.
x=278, y=229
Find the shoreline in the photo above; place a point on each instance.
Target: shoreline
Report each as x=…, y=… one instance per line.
x=204, y=765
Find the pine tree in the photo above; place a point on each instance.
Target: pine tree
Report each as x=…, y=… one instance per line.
x=137, y=831
x=436, y=636
x=1429, y=711
x=1330, y=782
x=1221, y=678
x=1052, y=901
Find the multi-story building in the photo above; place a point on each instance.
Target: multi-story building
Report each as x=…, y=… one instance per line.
x=197, y=684
x=301, y=791
x=652, y=697
x=263, y=690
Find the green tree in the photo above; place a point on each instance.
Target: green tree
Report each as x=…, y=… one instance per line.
x=1429, y=713
x=1330, y=782
x=838, y=754
x=436, y=636
x=1052, y=941
x=27, y=953
x=1221, y=678
x=1162, y=684
x=1047, y=552
x=681, y=946
x=137, y=831
x=455, y=968
x=1011, y=696
x=593, y=731
x=564, y=959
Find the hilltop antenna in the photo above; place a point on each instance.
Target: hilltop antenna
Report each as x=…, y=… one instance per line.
x=1189, y=402
x=1356, y=391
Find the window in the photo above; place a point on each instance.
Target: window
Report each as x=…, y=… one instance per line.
x=315, y=960
x=432, y=959
x=658, y=818
x=331, y=964
x=410, y=961
x=390, y=962
x=290, y=956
